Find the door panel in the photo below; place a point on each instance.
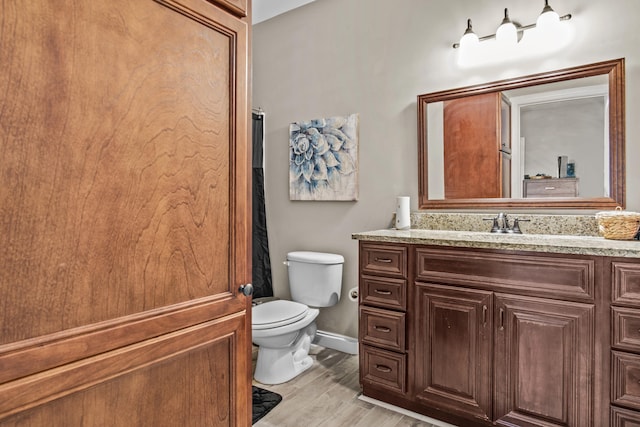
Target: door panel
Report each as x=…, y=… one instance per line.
x=155, y=382
x=543, y=362
x=116, y=180
x=453, y=356
x=124, y=232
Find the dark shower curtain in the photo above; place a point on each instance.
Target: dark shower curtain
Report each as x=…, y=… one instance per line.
x=262, y=286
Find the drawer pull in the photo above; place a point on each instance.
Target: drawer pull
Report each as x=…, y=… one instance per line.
x=549, y=188
x=382, y=292
x=501, y=318
x=382, y=329
x=484, y=314
x=383, y=368
x=385, y=260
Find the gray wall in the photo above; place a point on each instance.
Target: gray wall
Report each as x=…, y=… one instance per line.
x=573, y=128
x=373, y=57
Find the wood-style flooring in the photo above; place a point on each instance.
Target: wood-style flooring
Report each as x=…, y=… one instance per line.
x=327, y=395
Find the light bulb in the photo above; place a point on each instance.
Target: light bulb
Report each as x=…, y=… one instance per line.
x=469, y=38
x=548, y=18
x=507, y=33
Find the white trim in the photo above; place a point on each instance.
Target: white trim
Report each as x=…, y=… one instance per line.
x=405, y=412
x=336, y=342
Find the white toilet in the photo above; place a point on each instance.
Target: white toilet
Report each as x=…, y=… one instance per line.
x=283, y=329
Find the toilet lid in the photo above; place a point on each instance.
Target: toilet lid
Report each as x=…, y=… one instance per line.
x=315, y=257
x=277, y=313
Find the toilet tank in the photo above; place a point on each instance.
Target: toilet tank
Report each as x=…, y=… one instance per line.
x=315, y=278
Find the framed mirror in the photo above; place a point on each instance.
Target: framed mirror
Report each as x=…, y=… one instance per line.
x=548, y=140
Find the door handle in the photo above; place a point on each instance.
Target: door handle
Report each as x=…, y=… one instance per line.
x=246, y=290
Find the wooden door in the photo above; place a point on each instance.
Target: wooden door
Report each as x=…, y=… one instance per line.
x=544, y=351
x=124, y=213
x=472, y=162
x=453, y=349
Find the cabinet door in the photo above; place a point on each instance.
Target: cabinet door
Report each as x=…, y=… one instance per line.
x=453, y=349
x=543, y=370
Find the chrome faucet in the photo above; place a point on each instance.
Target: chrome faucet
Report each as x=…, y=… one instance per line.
x=501, y=224
x=503, y=221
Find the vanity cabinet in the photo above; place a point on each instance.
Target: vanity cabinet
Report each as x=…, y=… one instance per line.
x=500, y=337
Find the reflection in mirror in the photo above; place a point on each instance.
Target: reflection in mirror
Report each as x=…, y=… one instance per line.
x=571, y=123
x=545, y=122
x=549, y=140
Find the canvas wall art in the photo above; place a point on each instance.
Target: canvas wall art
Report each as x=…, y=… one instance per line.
x=323, y=159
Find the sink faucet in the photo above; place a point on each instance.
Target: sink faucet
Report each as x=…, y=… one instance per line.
x=501, y=224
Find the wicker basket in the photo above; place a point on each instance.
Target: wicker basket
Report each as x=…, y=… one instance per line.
x=618, y=224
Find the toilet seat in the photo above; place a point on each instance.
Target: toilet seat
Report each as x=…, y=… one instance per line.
x=277, y=313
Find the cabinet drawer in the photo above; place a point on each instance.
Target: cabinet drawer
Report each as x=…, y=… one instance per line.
x=535, y=274
x=383, y=368
x=626, y=283
x=624, y=418
x=390, y=260
x=626, y=328
x=625, y=378
x=384, y=292
x=565, y=187
x=382, y=328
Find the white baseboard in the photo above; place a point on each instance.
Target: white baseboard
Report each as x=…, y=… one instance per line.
x=337, y=342
x=405, y=412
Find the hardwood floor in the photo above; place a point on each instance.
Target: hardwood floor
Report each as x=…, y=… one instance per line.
x=327, y=395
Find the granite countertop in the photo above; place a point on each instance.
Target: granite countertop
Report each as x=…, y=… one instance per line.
x=564, y=244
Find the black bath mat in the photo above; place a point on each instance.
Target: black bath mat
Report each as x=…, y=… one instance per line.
x=263, y=402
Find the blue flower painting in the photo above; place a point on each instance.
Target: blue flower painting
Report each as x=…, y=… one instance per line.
x=323, y=159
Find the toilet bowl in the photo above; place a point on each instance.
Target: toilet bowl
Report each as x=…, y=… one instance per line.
x=283, y=330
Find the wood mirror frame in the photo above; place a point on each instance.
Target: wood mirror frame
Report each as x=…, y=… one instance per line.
x=615, y=71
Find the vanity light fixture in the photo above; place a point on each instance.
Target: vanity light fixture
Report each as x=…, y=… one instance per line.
x=510, y=33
